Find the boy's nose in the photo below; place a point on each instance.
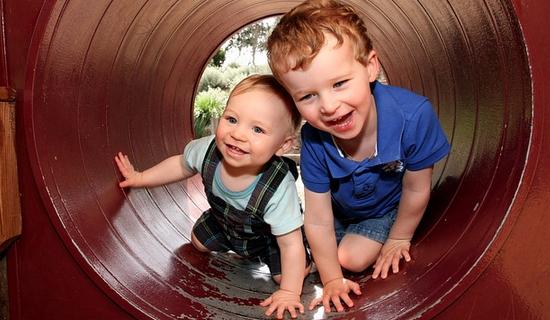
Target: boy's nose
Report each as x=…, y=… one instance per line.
x=329, y=104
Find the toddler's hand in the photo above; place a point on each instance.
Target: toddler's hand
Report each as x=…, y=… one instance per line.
x=392, y=251
x=133, y=177
x=335, y=290
x=282, y=300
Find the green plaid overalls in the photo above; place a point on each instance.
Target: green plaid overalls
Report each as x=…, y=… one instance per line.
x=224, y=228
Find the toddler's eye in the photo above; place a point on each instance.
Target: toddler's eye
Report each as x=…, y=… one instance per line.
x=231, y=120
x=258, y=130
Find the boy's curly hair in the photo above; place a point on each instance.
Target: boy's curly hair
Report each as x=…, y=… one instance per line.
x=300, y=34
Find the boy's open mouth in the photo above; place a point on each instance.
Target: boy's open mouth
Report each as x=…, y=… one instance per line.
x=342, y=122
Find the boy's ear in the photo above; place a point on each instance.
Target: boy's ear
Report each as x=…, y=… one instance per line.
x=286, y=146
x=373, y=65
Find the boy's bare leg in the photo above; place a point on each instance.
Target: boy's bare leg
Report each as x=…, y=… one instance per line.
x=356, y=253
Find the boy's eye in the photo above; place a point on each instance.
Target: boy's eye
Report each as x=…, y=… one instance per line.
x=306, y=97
x=340, y=83
x=258, y=130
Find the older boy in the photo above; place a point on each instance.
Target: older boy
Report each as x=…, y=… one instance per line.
x=368, y=149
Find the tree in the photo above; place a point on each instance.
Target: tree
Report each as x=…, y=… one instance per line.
x=218, y=59
x=253, y=36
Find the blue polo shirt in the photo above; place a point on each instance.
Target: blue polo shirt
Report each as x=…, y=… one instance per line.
x=409, y=137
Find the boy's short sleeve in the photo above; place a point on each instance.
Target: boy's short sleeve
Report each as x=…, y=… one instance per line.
x=195, y=151
x=283, y=209
x=424, y=140
x=314, y=171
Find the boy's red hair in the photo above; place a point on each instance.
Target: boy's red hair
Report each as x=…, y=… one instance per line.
x=300, y=34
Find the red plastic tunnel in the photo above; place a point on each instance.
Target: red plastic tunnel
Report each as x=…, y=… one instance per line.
x=105, y=76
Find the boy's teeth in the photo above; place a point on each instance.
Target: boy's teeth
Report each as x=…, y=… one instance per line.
x=337, y=121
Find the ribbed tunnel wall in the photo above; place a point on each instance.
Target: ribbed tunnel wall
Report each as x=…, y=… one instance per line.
x=108, y=76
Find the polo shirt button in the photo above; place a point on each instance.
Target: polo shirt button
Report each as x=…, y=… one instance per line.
x=365, y=191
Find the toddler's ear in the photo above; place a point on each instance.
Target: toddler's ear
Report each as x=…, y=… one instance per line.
x=287, y=145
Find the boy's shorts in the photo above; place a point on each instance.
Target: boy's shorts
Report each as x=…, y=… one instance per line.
x=212, y=236
x=376, y=229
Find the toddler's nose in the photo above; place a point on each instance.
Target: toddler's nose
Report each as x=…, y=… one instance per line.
x=238, y=133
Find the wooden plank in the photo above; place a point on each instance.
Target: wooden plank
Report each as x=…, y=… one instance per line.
x=10, y=208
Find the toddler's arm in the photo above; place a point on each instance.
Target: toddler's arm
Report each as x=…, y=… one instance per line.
x=319, y=226
x=169, y=170
x=293, y=271
x=414, y=199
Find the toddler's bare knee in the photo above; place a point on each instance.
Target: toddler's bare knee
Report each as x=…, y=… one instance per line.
x=277, y=278
x=197, y=244
x=307, y=270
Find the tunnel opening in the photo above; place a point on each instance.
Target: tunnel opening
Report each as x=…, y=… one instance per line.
x=113, y=76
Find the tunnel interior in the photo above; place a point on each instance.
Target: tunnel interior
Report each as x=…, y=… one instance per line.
x=121, y=76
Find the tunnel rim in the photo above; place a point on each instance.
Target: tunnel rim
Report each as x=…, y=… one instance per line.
x=34, y=57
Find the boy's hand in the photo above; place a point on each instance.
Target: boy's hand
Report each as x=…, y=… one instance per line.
x=335, y=290
x=133, y=177
x=392, y=251
x=282, y=300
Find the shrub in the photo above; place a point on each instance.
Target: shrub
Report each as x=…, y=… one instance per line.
x=209, y=105
x=213, y=77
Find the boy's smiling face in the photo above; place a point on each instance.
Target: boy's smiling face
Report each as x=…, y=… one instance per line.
x=254, y=126
x=333, y=92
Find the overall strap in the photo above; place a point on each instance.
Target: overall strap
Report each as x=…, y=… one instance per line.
x=209, y=164
x=267, y=185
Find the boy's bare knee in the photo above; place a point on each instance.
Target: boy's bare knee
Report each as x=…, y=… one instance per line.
x=352, y=263
x=357, y=253
x=197, y=244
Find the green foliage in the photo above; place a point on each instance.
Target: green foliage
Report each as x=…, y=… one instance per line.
x=226, y=78
x=218, y=59
x=213, y=78
x=209, y=105
x=234, y=65
x=234, y=75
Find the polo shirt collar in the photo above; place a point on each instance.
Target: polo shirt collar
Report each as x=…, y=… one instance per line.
x=391, y=122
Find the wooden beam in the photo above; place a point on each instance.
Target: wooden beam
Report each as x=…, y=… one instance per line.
x=10, y=208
